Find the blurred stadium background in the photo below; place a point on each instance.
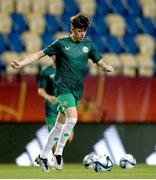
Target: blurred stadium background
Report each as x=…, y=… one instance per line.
x=117, y=114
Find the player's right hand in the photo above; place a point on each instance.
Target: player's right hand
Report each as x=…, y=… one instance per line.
x=16, y=64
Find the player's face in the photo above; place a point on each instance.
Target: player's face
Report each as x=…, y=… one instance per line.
x=79, y=34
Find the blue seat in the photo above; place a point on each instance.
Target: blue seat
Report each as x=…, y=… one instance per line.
x=134, y=7
x=100, y=25
x=102, y=7
x=65, y=21
x=47, y=39
x=15, y=42
x=19, y=23
x=99, y=43
x=3, y=43
x=72, y=7
x=52, y=26
x=114, y=45
x=131, y=45
x=132, y=25
x=148, y=26
x=92, y=31
x=117, y=6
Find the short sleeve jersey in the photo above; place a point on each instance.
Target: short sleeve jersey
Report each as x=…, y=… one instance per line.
x=46, y=81
x=71, y=64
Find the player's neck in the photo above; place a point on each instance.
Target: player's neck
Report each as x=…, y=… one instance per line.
x=73, y=38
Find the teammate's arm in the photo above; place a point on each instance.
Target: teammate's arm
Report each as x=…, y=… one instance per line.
x=42, y=92
x=28, y=60
x=103, y=66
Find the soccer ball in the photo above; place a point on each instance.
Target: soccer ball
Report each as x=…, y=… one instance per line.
x=127, y=161
x=103, y=164
x=89, y=159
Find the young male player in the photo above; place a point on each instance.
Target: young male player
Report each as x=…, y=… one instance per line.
x=46, y=89
x=72, y=54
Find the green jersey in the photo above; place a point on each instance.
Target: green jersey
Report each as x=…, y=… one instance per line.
x=71, y=64
x=46, y=81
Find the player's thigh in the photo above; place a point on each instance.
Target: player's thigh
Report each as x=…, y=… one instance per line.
x=61, y=118
x=71, y=112
x=67, y=104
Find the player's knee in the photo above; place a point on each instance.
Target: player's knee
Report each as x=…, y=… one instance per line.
x=71, y=121
x=71, y=112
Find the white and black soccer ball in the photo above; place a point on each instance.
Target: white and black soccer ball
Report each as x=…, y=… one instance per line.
x=89, y=159
x=103, y=164
x=127, y=161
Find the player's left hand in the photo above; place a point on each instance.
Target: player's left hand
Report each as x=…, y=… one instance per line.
x=53, y=99
x=108, y=68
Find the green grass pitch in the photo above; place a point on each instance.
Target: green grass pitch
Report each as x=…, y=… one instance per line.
x=76, y=171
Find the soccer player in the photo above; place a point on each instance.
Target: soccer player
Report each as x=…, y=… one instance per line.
x=72, y=54
x=46, y=89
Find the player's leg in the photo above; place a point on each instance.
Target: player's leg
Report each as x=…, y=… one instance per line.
x=50, y=122
x=68, y=102
x=52, y=139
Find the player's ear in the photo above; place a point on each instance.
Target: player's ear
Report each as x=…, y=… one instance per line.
x=72, y=28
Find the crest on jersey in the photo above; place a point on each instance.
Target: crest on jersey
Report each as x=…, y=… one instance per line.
x=52, y=76
x=85, y=49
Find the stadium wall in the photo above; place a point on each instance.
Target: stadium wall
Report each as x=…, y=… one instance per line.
x=113, y=139
x=106, y=99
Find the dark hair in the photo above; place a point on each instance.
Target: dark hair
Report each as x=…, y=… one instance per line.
x=80, y=21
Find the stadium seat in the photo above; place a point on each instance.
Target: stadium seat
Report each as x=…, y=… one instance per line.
x=3, y=43
x=31, y=69
x=129, y=64
x=39, y=6
x=33, y=42
x=114, y=45
x=36, y=23
x=148, y=8
x=145, y=65
x=64, y=22
x=5, y=24
x=116, y=24
x=23, y=6
x=132, y=25
x=71, y=8
x=100, y=25
x=7, y=57
x=59, y=35
x=117, y=6
x=52, y=25
x=146, y=44
x=7, y=6
x=148, y=26
x=55, y=7
x=47, y=39
x=87, y=7
x=113, y=60
x=102, y=7
x=99, y=43
x=19, y=23
x=134, y=8
x=92, y=68
x=15, y=42
x=131, y=46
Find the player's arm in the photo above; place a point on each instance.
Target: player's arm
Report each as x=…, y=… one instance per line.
x=103, y=66
x=28, y=60
x=42, y=92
